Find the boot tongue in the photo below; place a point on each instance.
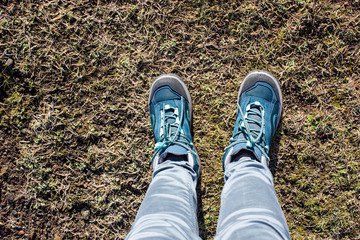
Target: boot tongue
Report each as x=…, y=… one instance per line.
x=172, y=118
x=255, y=115
x=238, y=147
x=175, y=150
x=174, y=121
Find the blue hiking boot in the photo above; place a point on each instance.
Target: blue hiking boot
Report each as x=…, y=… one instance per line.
x=258, y=114
x=171, y=120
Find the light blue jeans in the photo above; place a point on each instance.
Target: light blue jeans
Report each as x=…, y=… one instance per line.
x=249, y=206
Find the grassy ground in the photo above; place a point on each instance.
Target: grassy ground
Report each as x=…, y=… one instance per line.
x=75, y=134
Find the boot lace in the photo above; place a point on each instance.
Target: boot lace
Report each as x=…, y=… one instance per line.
x=251, y=129
x=171, y=132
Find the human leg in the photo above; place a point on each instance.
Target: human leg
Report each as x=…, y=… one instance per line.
x=169, y=208
x=249, y=205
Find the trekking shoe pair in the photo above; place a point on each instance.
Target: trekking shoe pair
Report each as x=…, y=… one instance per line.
x=259, y=109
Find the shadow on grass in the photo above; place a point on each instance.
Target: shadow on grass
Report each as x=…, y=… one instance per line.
x=200, y=212
x=275, y=150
